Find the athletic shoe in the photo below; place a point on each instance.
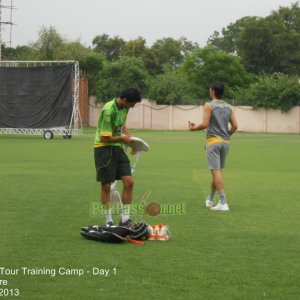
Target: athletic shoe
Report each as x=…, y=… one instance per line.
x=110, y=223
x=162, y=232
x=209, y=203
x=220, y=207
x=152, y=233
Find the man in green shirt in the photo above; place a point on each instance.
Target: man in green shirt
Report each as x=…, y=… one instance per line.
x=111, y=161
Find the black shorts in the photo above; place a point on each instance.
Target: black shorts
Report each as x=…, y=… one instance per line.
x=111, y=164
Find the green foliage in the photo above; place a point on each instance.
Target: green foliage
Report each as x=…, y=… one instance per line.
x=48, y=44
x=52, y=46
x=171, y=87
x=72, y=51
x=18, y=53
x=92, y=65
x=93, y=62
x=110, y=47
x=203, y=66
x=290, y=16
x=166, y=53
x=227, y=41
x=265, y=45
x=119, y=74
x=277, y=91
x=179, y=71
x=134, y=48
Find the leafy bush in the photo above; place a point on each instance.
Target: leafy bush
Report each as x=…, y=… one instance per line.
x=171, y=87
x=277, y=91
x=206, y=65
x=120, y=74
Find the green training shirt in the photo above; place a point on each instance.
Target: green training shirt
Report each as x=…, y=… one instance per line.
x=110, y=123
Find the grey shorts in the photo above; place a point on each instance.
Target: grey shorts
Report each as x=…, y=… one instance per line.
x=216, y=154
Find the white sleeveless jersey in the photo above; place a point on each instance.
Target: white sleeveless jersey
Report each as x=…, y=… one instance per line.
x=220, y=117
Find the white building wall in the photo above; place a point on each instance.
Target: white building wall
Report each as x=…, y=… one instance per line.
x=149, y=115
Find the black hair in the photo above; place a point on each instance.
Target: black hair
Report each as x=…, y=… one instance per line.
x=131, y=94
x=218, y=88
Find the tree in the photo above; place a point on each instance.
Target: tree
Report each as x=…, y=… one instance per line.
x=19, y=53
x=93, y=64
x=119, y=74
x=290, y=16
x=166, y=51
x=205, y=65
x=271, y=91
x=268, y=46
x=228, y=40
x=110, y=47
x=290, y=37
x=72, y=50
x=259, y=45
x=265, y=45
x=48, y=43
x=134, y=48
x=187, y=46
x=171, y=87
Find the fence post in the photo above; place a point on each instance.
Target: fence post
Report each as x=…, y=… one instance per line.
x=171, y=111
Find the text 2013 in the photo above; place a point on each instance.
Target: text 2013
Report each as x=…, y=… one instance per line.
x=9, y=292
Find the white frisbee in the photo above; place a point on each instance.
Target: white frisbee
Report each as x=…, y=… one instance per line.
x=138, y=144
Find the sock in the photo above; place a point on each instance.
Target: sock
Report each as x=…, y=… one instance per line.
x=212, y=195
x=108, y=216
x=125, y=213
x=222, y=197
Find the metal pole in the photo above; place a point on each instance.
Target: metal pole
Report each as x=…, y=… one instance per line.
x=10, y=22
x=0, y=29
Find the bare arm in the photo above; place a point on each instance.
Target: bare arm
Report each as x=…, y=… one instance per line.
x=233, y=123
x=126, y=131
x=205, y=120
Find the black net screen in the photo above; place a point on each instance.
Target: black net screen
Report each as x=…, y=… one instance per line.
x=35, y=97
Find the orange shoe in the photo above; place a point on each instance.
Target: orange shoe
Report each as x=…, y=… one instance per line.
x=162, y=232
x=152, y=233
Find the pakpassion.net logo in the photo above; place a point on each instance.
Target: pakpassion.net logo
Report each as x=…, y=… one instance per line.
x=150, y=209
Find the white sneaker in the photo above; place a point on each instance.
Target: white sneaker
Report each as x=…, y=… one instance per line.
x=220, y=207
x=209, y=203
x=152, y=233
x=162, y=232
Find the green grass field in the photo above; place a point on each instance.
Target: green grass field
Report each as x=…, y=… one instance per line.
x=251, y=252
